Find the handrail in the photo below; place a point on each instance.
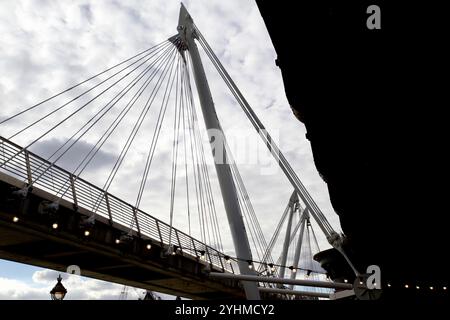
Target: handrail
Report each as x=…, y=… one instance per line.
x=27, y=166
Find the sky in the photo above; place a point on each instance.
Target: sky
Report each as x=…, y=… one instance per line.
x=49, y=45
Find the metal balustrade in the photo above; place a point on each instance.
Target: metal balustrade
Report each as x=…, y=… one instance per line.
x=32, y=169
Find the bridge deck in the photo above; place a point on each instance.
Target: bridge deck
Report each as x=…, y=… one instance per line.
x=32, y=240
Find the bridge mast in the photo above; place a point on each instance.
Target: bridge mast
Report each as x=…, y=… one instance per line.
x=293, y=203
x=187, y=35
x=304, y=217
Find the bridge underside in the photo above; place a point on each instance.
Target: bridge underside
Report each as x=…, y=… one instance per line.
x=32, y=240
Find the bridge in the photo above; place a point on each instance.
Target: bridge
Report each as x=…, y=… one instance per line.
x=33, y=235
x=51, y=217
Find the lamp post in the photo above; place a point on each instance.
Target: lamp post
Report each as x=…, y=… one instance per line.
x=58, y=292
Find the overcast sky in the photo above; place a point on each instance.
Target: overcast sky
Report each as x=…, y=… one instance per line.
x=49, y=45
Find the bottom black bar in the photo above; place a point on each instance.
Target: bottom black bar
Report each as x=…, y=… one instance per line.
x=219, y=309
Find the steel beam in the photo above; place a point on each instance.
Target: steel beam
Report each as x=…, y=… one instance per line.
x=295, y=292
x=287, y=238
x=306, y=283
x=342, y=294
x=303, y=218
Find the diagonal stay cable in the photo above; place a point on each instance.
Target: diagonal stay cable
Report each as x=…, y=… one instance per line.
x=94, y=150
x=194, y=157
x=155, y=138
x=111, y=104
x=198, y=148
x=211, y=204
x=71, y=115
x=315, y=239
x=204, y=172
x=246, y=206
x=136, y=128
x=293, y=236
x=184, y=113
x=246, y=200
x=78, y=84
x=156, y=133
x=264, y=135
x=165, y=101
x=316, y=212
x=108, y=132
x=81, y=95
x=275, y=235
x=260, y=129
x=253, y=216
x=175, y=144
x=161, y=60
x=134, y=131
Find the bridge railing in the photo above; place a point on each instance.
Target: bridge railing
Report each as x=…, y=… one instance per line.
x=32, y=169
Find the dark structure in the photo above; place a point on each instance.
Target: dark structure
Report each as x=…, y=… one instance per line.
x=372, y=102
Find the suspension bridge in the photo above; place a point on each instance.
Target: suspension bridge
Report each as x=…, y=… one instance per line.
x=53, y=217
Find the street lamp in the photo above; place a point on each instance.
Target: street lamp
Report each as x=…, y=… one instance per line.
x=58, y=292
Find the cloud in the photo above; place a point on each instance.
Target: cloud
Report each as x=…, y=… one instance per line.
x=87, y=13
x=18, y=290
x=47, y=46
x=74, y=156
x=78, y=288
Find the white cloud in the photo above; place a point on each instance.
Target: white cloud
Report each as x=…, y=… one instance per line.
x=13, y=289
x=46, y=46
x=78, y=288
